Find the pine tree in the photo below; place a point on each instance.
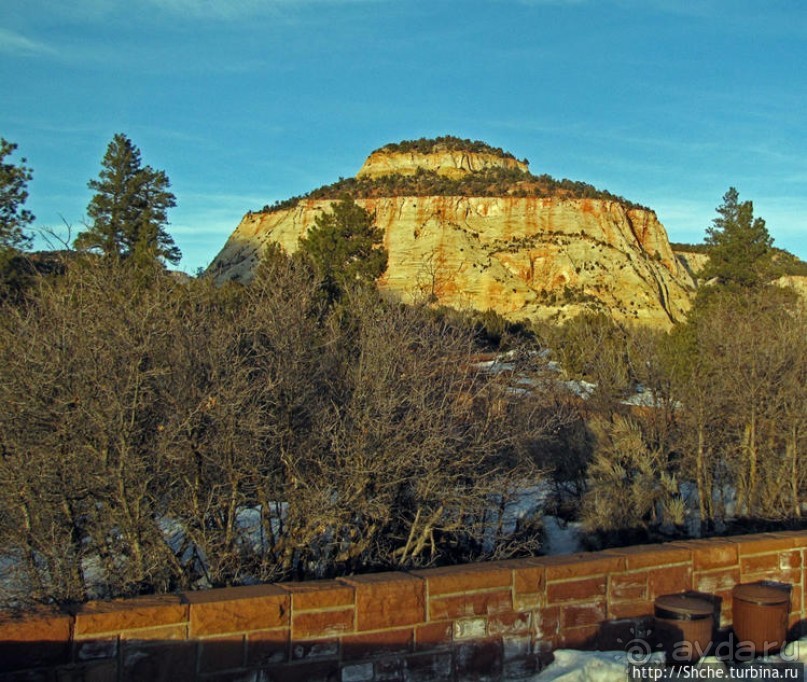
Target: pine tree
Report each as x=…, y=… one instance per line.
x=13, y=193
x=345, y=246
x=129, y=210
x=740, y=247
x=14, y=219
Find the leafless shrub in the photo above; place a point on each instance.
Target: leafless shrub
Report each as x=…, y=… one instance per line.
x=160, y=434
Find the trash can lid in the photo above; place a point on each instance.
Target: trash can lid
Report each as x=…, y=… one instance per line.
x=683, y=607
x=760, y=593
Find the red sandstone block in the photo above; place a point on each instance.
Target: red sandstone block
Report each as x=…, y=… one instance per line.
x=387, y=670
x=319, y=671
x=321, y=623
x=619, y=635
x=474, y=604
x=712, y=553
x=669, y=580
x=797, y=595
x=523, y=667
x=464, y=579
x=42, y=624
x=164, y=633
x=42, y=638
x=163, y=661
x=314, y=649
x=622, y=586
x=546, y=622
x=770, y=562
x=580, y=565
x=529, y=602
x=221, y=653
x=509, y=624
x=356, y=647
x=433, y=636
x=759, y=563
x=579, y=638
x=428, y=667
x=763, y=543
x=630, y=609
x=269, y=646
x=237, y=609
x=478, y=659
x=799, y=537
x=576, y=590
x=652, y=556
x=579, y=615
x=786, y=576
x=93, y=649
x=470, y=628
x=719, y=581
x=99, y=671
x=318, y=594
x=529, y=583
x=385, y=600
x=231, y=676
x=129, y=614
x=516, y=647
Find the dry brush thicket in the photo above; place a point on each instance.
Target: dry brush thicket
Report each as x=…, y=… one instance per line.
x=158, y=434
x=719, y=439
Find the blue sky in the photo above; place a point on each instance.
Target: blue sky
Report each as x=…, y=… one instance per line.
x=242, y=102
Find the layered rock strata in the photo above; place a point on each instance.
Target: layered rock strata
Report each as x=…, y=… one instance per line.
x=525, y=257
x=453, y=164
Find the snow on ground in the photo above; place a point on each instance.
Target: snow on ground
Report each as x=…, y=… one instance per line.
x=562, y=537
x=592, y=666
x=615, y=666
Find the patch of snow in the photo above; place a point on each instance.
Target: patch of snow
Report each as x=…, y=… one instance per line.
x=562, y=537
x=592, y=666
x=529, y=502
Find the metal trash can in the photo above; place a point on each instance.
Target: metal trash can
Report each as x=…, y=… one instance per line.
x=760, y=614
x=684, y=626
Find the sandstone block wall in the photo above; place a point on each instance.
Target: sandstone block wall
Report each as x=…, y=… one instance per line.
x=480, y=621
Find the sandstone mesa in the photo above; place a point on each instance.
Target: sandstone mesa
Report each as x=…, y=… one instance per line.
x=526, y=257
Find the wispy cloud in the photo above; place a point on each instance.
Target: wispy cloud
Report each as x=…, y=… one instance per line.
x=548, y=2
x=239, y=9
x=94, y=11
x=18, y=45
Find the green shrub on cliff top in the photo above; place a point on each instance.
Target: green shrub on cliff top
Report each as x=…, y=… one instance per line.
x=488, y=182
x=447, y=143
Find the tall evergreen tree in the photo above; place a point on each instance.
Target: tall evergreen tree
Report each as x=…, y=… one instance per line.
x=13, y=193
x=14, y=219
x=345, y=246
x=129, y=210
x=740, y=247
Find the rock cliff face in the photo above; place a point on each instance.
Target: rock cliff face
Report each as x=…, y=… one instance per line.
x=796, y=282
x=692, y=261
x=453, y=164
x=524, y=257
